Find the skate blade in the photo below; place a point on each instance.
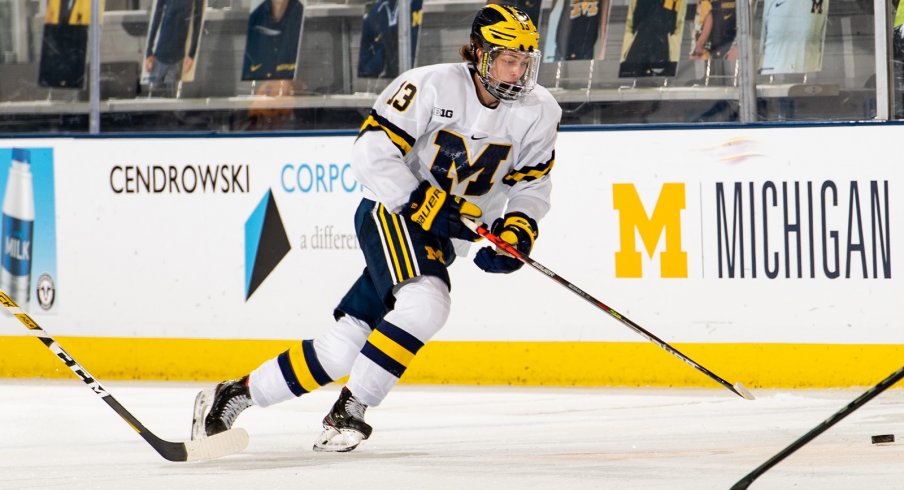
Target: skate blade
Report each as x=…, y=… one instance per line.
x=334, y=440
x=202, y=406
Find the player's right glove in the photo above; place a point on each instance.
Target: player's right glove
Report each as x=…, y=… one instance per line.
x=438, y=212
x=520, y=231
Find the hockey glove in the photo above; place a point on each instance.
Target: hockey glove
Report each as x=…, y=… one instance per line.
x=439, y=212
x=518, y=230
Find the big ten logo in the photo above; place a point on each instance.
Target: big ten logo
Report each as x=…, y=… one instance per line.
x=634, y=221
x=318, y=177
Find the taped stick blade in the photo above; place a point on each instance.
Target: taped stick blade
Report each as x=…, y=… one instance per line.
x=744, y=392
x=217, y=446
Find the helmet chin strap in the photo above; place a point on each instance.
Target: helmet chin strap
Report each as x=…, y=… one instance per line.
x=484, y=74
x=484, y=94
x=498, y=89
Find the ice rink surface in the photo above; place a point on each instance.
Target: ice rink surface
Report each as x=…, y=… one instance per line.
x=58, y=434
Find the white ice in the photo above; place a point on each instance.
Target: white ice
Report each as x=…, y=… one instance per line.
x=59, y=434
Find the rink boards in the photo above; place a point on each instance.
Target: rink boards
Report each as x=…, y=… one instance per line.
x=765, y=254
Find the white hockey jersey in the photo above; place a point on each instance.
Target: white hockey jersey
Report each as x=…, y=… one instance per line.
x=429, y=125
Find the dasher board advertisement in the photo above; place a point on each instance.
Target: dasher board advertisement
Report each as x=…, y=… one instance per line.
x=28, y=268
x=741, y=235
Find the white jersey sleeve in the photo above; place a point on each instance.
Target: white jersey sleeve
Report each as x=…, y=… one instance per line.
x=385, y=139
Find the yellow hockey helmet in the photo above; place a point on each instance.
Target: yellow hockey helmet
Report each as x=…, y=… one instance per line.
x=504, y=31
x=506, y=26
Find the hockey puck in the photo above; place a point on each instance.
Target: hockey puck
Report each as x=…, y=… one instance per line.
x=883, y=439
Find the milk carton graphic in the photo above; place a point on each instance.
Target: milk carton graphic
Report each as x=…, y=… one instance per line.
x=18, y=229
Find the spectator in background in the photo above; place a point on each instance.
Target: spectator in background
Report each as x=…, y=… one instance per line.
x=647, y=49
x=64, y=44
x=703, y=28
x=379, y=55
x=271, y=49
x=715, y=31
x=68, y=12
x=170, y=54
x=792, y=36
x=577, y=30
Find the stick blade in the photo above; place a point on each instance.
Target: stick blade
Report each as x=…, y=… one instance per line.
x=744, y=392
x=216, y=446
x=742, y=484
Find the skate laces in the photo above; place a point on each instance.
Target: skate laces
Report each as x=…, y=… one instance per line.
x=232, y=407
x=355, y=408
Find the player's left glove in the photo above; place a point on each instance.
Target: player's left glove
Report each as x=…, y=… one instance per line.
x=517, y=229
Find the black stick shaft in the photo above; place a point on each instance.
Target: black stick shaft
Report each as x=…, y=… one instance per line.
x=170, y=450
x=861, y=400
x=508, y=248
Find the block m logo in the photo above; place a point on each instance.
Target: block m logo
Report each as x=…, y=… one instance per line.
x=666, y=218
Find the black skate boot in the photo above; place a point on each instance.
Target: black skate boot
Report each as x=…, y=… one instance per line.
x=344, y=427
x=217, y=409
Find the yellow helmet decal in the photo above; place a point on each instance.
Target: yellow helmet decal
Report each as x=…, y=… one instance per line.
x=516, y=31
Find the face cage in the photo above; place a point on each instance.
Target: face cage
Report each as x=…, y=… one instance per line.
x=504, y=90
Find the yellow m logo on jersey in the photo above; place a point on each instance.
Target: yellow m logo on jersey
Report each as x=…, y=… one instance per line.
x=633, y=221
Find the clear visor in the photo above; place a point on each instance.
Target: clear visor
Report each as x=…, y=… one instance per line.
x=510, y=74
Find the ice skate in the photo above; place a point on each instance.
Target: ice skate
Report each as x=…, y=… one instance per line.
x=344, y=427
x=216, y=409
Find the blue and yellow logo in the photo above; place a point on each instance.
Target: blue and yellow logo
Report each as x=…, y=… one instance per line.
x=266, y=243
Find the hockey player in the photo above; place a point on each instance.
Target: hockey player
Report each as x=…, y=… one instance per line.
x=441, y=143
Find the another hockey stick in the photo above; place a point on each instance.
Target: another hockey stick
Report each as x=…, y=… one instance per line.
x=861, y=400
x=481, y=230
x=222, y=444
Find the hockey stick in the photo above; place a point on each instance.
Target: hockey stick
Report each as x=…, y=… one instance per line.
x=222, y=444
x=481, y=230
x=861, y=400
